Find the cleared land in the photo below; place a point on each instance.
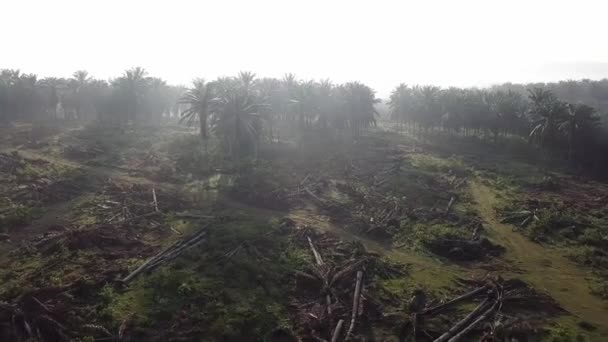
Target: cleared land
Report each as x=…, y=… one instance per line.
x=277, y=248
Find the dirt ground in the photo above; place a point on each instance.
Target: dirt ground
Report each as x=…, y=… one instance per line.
x=386, y=230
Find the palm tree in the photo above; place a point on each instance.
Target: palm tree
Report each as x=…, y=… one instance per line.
x=547, y=113
x=246, y=79
x=53, y=85
x=156, y=99
x=358, y=101
x=237, y=122
x=400, y=104
x=452, y=103
x=4, y=95
x=80, y=81
x=81, y=78
x=511, y=107
x=27, y=98
x=326, y=106
x=198, y=98
x=134, y=83
x=428, y=112
x=579, y=122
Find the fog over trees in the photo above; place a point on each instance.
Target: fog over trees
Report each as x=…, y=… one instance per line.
x=242, y=111
x=250, y=208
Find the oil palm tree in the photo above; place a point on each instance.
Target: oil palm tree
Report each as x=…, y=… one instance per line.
x=325, y=98
x=198, y=99
x=78, y=83
x=579, y=122
x=81, y=78
x=236, y=121
x=134, y=83
x=428, y=106
x=359, y=100
x=54, y=86
x=246, y=79
x=400, y=103
x=547, y=113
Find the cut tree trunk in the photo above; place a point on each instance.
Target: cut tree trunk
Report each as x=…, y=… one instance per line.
x=356, y=298
x=337, y=331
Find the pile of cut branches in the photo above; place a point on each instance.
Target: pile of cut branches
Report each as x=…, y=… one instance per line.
x=501, y=308
x=124, y=202
x=334, y=300
x=51, y=314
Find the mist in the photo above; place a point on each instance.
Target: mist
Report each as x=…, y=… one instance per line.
x=290, y=171
x=469, y=43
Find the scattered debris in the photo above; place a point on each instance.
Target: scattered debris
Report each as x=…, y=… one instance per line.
x=356, y=300
x=169, y=253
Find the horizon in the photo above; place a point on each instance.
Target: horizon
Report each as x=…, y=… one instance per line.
x=469, y=44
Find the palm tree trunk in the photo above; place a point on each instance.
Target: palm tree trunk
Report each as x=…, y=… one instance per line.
x=203, y=127
x=571, y=141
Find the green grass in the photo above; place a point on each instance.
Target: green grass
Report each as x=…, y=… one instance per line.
x=229, y=299
x=432, y=163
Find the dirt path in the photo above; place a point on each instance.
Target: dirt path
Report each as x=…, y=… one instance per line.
x=542, y=267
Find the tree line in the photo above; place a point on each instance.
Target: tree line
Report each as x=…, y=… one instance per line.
x=241, y=111
x=244, y=111
x=538, y=114
x=133, y=96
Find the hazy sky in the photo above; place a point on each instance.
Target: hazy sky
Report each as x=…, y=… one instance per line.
x=381, y=43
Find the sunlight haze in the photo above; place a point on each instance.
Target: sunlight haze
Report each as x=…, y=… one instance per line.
x=460, y=43
x=288, y=171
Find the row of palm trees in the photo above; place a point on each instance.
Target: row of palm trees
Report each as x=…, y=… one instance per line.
x=240, y=111
x=133, y=96
x=471, y=111
x=540, y=116
x=243, y=111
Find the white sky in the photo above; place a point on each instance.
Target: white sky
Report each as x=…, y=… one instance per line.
x=379, y=42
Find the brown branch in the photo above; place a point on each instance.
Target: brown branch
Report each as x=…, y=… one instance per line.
x=356, y=299
x=193, y=216
x=458, y=326
x=155, y=201
x=314, y=252
x=475, y=322
x=169, y=253
x=319, y=260
x=450, y=204
x=317, y=199
x=345, y=271
x=440, y=307
x=337, y=331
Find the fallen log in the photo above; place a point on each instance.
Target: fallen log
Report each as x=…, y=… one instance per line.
x=458, y=326
x=356, y=299
x=304, y=180
x=470, y=327
x=442, y=306
x=133, y=218
x=337, y=331
x=154, y=199
x=168, y=254
x=525, y=222
x=345, y=271
x=193, y=216
x=306, y=276
x=450, y=204
x=316, y=254
x=317, y=199
x=320, y=262
x=459, y=183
